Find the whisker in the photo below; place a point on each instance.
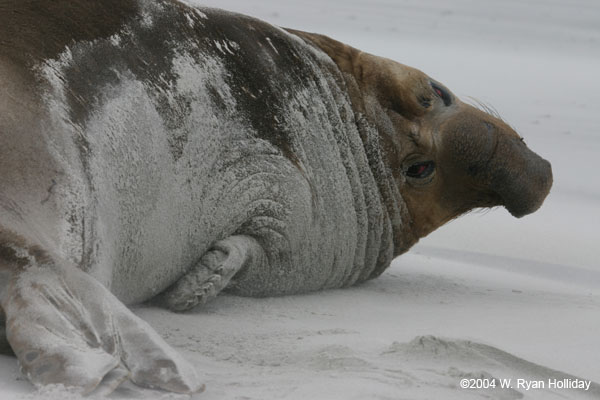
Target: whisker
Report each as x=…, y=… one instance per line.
x=485, y=107
x=488, y=109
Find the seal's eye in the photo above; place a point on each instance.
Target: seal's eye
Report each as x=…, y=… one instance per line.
x=442, y=93
x=420, y=170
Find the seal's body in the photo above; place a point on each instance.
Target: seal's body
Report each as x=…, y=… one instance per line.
x=163, y=149
x=159, y=140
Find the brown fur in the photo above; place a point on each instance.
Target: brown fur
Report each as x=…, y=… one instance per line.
x=480, y=160
x=57, y=23
x=394, y=88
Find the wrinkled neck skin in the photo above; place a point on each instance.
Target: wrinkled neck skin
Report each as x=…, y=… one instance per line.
x=377, y=134
x=372, y=131
x=376, y=130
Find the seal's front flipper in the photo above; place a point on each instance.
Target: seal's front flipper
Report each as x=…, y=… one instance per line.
x=213, y=272
x=66, y=328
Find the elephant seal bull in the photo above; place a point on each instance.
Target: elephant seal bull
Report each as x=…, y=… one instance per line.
x=149, y=148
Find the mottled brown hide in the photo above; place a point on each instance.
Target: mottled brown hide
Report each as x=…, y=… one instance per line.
x=479, y=160
x=56, y=24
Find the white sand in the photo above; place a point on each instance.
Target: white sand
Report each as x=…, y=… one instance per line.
x=485, y=285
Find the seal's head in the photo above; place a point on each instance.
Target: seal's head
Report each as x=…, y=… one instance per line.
x=446, y=157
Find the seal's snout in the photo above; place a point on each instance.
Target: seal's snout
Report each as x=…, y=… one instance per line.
x=525, y=194
x=521, y=178
x=491, y=157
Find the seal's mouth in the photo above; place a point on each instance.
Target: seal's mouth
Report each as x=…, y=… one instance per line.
x=524, y=190
x=495, y=159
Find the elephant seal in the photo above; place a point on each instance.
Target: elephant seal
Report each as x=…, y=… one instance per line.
x=152, y=149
